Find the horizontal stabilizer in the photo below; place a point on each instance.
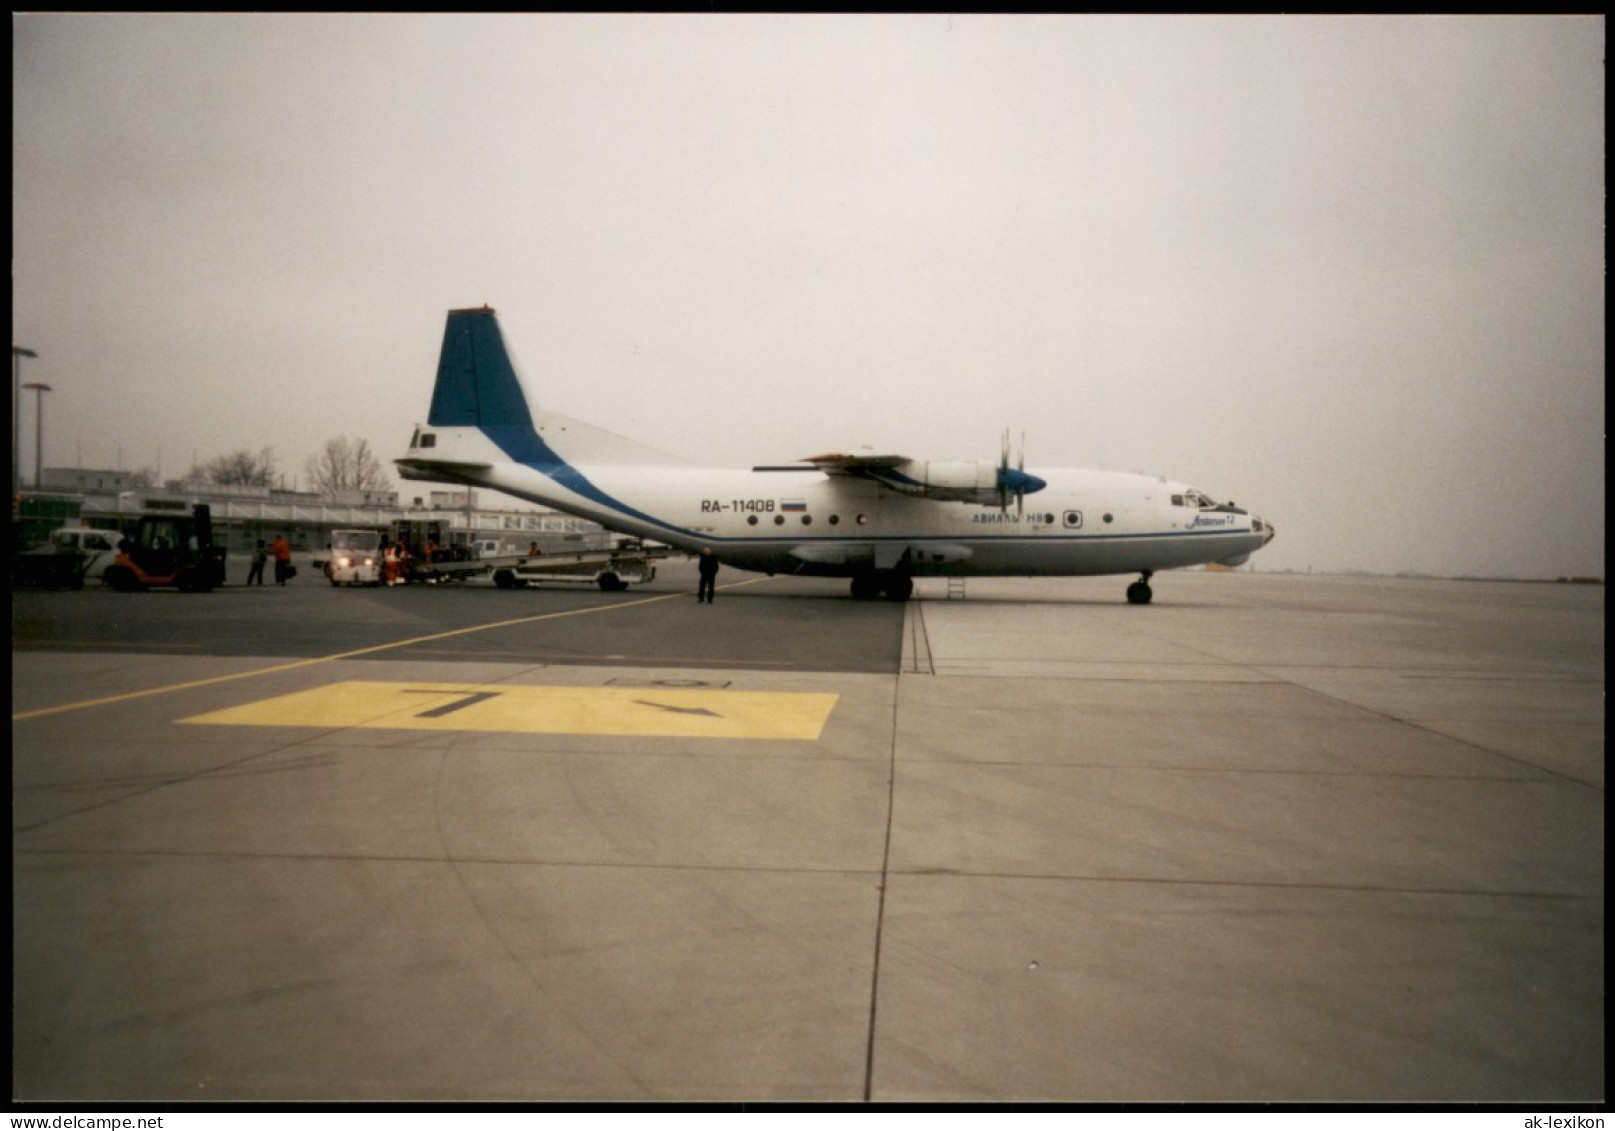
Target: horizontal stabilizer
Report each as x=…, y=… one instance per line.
x=439, y=470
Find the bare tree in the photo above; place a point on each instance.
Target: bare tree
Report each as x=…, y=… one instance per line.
x=347, y=465
x=240, y=469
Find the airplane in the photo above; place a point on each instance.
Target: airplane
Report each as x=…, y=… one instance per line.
x=881, y=520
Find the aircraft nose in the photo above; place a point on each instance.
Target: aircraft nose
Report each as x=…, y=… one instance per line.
x=1265, y=527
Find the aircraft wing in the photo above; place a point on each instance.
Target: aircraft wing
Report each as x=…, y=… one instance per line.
x=861, y=467
x=978, y=482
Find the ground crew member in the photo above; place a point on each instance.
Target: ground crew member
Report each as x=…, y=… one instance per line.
x=260, y=558
x=283, y=559
x=709, y=576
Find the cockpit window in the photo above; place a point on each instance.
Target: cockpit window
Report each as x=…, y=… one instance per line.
x=1193, y=498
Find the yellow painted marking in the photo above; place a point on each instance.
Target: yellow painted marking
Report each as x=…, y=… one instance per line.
x=633, y=711
x=40, y=712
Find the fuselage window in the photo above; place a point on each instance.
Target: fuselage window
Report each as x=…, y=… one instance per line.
x=751, y=520
x=428, y=440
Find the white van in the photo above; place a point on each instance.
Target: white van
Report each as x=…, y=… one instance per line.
x=99, y=547
x=355, y=558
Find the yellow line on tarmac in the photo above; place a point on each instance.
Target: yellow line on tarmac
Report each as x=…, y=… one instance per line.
x=41, y=712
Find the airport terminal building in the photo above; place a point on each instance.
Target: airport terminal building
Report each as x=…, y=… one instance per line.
x=241, y=515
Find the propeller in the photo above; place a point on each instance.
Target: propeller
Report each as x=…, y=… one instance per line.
x=1003, y=475
x=1015, y=479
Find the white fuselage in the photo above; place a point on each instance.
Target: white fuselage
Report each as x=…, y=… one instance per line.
x=800, y=519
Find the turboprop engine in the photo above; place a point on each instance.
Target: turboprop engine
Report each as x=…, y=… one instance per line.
x=962, y=481
x=955, y=481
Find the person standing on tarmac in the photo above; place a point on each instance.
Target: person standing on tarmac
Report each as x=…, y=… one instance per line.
x=709, y=576
x=260, y=558
x=283, y=558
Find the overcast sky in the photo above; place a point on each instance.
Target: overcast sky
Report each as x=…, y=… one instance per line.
x=1345, y=271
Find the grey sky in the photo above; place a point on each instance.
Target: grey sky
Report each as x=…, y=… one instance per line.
x=1346, y=271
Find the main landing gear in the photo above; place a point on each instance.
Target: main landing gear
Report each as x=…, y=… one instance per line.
x=888, y=583
x=1139, y=592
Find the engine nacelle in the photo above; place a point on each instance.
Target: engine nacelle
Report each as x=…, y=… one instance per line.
x=961, y=481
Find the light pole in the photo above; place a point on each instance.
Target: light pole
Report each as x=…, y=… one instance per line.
x=17, y=354
x=40, y=389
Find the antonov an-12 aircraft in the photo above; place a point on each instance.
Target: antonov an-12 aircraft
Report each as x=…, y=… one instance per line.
x=881, y=520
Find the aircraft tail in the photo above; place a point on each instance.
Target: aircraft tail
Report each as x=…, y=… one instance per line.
x=477, y=387
x=476, y=382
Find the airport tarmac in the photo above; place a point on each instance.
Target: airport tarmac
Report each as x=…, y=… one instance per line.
x=1270, y=839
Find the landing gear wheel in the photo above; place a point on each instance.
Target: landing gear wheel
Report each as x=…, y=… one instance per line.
x=611, y=583
x=897, y=587
x=1139, y=593
x=865, y=586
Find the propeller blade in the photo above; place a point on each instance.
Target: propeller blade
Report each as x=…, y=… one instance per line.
x=1020, y=487
x=1003, y=466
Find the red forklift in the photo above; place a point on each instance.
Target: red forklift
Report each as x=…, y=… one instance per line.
x=169, y=552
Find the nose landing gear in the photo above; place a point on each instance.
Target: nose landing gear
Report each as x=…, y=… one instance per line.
x=1139, y=592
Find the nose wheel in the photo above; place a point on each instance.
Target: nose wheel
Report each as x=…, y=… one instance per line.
x=1139, y=592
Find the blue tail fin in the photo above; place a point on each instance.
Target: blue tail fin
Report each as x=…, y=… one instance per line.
x=477, y=388
x=476, y=382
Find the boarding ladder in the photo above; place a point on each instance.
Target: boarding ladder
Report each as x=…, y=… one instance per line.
x=956, y=588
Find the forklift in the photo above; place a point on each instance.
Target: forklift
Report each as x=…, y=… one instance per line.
x=169, y=552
